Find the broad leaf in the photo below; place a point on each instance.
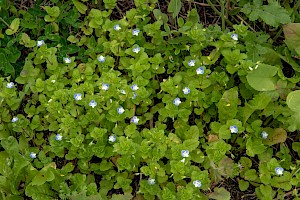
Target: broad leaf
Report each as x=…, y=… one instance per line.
x=220, y=194
x=227, y=106
x=274, y=15
x=262, y=78
x=293, y=101
x=292, y=36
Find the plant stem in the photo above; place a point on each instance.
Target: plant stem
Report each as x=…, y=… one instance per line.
x=5, y=23
x=218, y=12
x=223, y=14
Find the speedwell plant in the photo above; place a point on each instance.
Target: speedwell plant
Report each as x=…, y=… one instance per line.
x=132, y=108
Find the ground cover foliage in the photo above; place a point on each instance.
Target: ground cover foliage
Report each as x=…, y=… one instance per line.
x=149, y=99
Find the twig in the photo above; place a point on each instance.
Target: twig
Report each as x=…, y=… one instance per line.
x=204, y=4
x=245, y=22
x=289, y=193
x=119, y=10
x=5, y=23
x=218, y=12
x=207, y=5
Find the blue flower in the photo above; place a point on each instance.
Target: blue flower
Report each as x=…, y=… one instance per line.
x=101, y=59
x=32, y=155
x=134, y=87
x=10, y=85
x=93, y=103
x=117, y=27
x=136, y=49
x=135, y=32
x=234, y=129
x=67, y=60
x=191, y=63
x=40, y=43
x=176, y=101
x=135, y=120
x=120, y=110
x=279, y=170
x=235, y=37
x=151, y=181
x=58, y=137
x=197, y=183
x=78, y=96
x=186, y=90
x=264, y=134
x=105, y=86
x=112, y=138
x=14, y=119
x=185, y=153
x=200, y=70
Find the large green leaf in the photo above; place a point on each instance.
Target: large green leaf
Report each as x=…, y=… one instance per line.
x=227, y=106
x=174, y=7
x=275, y=136
x=274, y=15
x=262, y=78
x=292, y=36
x=42, y=192
x=19, y=163
x=10, y=144
x=220, y=194
x=293, y=101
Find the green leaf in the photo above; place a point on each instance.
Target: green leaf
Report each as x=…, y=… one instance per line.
x=5, y=66
x=191, y=144
x=227, y=106
x=126, y=196
x=251, y=175
x=296, y=147
x=275, y=136
x=19, y=163
x=292, y=36
x=259, y=102
x=274, y=15
x=39, y=179
x=293, y=101
x=216, y=150
x=243, y=185
x=174, y=7
x=110, y=4
x=226, y=167
x=10, y=144
x=267, y=191
x=262, y=78
x=220, y=194
x=80, y=6
x=42, y=192
x=160, y=16
x=52, y=11
x=294, y=122
x=254, y=146
x=14, y=26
